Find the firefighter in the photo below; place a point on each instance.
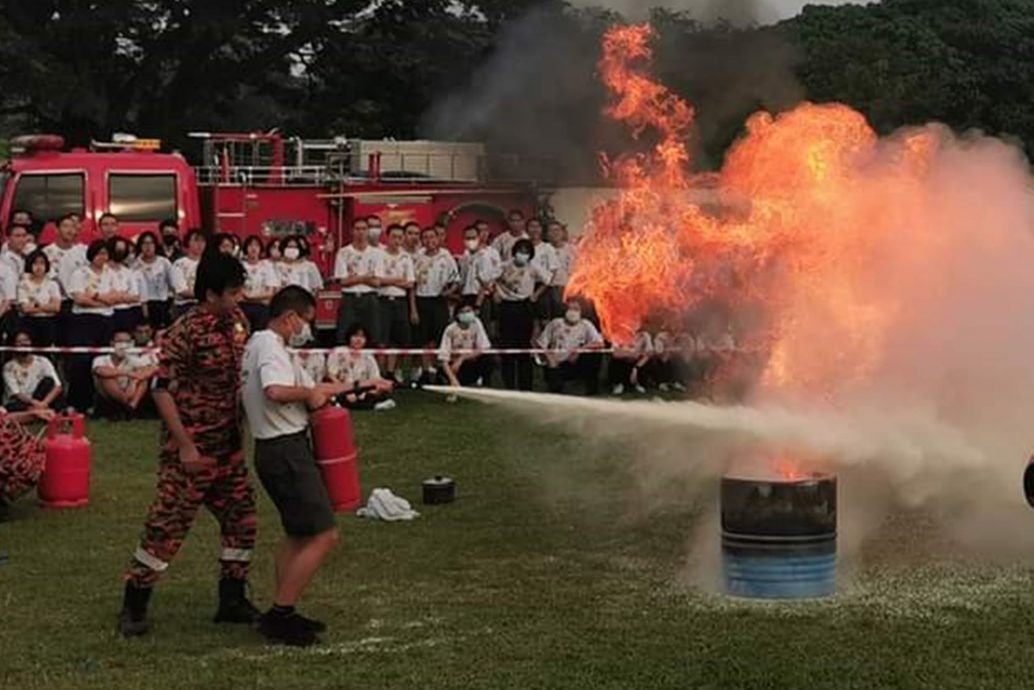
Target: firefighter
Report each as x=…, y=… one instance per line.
x=21, y=455
x=197, y=393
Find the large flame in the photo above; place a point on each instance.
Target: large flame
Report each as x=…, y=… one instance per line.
x=787, y=231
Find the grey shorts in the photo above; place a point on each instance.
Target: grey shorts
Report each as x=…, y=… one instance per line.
x=288, y=472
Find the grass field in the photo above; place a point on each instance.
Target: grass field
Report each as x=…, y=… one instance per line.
x=549, y=572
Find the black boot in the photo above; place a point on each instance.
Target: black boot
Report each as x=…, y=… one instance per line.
x=234, y=606
x=286, y=627
x=132, y=620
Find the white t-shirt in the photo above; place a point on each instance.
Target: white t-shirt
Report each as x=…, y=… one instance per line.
x=155, y=279
x=268, y=363
x=566, y=256
x=517, y=283
x=546, y=262
x=127, y=280
x=480, y=270
x=348, y=367
x=129, y=364
x=19, y=378
x=302, y=273
x=182, y=277
x=434, y=274
x=455, y=338
x=86, y=280
x=397, y=266
x=350, y=262
x=315, y=363
x=14, y=261
x=64, y=262
x=8, y=283
x=31, y=293
x=262, y=277
x=561, y=336
x=503, y=244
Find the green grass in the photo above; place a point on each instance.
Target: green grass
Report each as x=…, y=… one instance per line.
x=550, y=571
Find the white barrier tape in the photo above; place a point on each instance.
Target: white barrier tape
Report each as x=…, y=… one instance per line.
x=372, y=351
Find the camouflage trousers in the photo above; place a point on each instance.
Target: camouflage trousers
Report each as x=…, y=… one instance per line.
x=228, y=495
x=21, y=460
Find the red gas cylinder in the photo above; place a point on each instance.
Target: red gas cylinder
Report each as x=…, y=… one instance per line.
x=65, y=482
x=337, y=457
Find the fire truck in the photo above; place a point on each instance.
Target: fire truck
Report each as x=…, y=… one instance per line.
x=270, y=185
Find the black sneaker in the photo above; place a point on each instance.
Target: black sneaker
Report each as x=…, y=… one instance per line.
x=132, y=619
x=290, y=630
x=312, y=624
x=234, y=606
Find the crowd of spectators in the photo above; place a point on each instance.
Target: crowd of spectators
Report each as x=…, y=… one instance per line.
x=401, y=288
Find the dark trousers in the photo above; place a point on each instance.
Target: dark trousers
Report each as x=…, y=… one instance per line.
x=64, y=323
x=127, y=319
x=43, y=389
x=363, y=309
x=619, y=371
x=258, y=315
x=516, y=322
x=87, y=330
x=159, y=314
x=585, y=369
x=472, y=370
x=43, y=329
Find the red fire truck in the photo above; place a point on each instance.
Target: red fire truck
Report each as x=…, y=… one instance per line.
x=269, y=185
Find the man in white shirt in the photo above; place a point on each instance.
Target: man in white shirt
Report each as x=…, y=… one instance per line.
x=413, y=236
x=30, y=381
x=463, y=341
x=184, y=273
x=122, y=379
x=398, y=306
x=66, y=256
x=565, y=254
x=516, y=230
x=13, y=253
x=359, y=268
x=561, y=337
x=437, y=279
x=482, y=267
x=277, y=396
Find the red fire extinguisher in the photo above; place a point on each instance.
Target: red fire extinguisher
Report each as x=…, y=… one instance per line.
x=65, y=482
x=337, y=457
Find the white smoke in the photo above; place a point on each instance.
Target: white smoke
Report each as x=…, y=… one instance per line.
x=736, y=11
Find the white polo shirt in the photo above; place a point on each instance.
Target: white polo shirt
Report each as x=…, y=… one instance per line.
x=22, y=378
x=350, y=262
x=268, y=363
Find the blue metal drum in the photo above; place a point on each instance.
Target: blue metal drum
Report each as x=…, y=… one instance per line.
x=779, y=537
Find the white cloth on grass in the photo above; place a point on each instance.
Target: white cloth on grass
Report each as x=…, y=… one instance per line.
x=384, y=505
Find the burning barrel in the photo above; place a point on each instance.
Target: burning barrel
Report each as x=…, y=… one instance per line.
x=779, y=537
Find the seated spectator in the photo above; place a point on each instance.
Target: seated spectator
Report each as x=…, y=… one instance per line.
x=350, y=365
x=30, y=381
x=143, y=342
x=561, y=337
x=21, y=455
x=670, y=367
x=313, y=362
x=463, y=341
x=628, y=365
x=121, y=379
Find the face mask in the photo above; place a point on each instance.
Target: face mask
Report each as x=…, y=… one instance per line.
x=374, y=234
x=521, y=259
x=573, y=316
x=472, y=245
x=304, y=338
x=292, y=253
x=121, y=349
x=170, y=240
x=119, y=257
x=465, y=318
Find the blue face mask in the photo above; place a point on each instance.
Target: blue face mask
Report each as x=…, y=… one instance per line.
x=465, y=318
x=521, y=259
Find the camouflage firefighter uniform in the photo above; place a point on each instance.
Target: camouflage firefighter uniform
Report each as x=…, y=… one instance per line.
x=200, y=365
x=21, y=459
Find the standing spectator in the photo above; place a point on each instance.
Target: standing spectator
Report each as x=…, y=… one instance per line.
x=93, y=302
x=30, y=381
x=514, y=291
x=515, y=230
x=562, y=337
x=565, y=253
x=628, y=365
x=273, y=252
x=108, y=224
x=66, y=255
x=398, y=307
x=184, y=274
x=20, y=216
x=155, y=273
x=358, y=369
x=359, y=267
x=462, y=347
x=481, y=269
x=261, y=283
x=412, y=244
x=437, y=278
x=375, y=231
x=295, y=268
x=13, y=253
x=39, y=300
x=8, y=300
x=122, y=379
x=126, y=282
x=170, y=233
x=546, y=264
x=442, y=232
